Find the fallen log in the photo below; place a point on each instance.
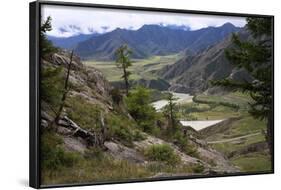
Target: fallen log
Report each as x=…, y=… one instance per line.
x=92, y=138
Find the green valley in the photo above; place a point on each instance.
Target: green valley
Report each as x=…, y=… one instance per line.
x=141, y=68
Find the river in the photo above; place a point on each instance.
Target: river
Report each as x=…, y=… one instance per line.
x=181, y=98
x=184, y=98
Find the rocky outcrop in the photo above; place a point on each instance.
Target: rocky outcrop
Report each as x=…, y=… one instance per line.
x=62, y=58
x=120, y=151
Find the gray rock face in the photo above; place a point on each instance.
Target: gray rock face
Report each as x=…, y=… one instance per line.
x=63, y=58
x=44, y=123
x=120, y=151
x=46, y=116
x=96, y=80
x=75, y=144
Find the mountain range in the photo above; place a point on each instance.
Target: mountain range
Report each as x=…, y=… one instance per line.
x=147, y=41
x=70, y=42
x=152, y=40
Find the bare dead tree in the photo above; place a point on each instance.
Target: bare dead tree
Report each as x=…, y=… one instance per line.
x=65, y=91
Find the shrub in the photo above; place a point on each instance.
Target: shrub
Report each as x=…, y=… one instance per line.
x=198, y=168
x=124, y=135
x=138, y=103
x=53, y=155
x=162, y=153
x=184, y=145
x=138, y=136
x=120, y=128
x=146, y=125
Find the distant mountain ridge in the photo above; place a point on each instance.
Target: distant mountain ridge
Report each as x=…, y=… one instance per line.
x=152, y=40
x=192, y=73
x=70, y=42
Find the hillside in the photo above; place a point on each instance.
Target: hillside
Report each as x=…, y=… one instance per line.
x=192, y=73
x=96, y=134
x=152, y=40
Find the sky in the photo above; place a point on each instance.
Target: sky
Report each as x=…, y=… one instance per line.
x=70, y=21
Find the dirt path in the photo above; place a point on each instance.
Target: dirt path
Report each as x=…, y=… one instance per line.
x=234, y=139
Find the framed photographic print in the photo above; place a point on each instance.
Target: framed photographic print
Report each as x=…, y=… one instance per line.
x=130, y=94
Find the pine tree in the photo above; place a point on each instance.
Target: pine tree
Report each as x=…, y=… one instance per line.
x=254, y=56
x=140, y=108
x=170, y=111
x=123, y=61
x=46, y=45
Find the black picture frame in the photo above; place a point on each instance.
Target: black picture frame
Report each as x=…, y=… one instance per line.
x=34, y=111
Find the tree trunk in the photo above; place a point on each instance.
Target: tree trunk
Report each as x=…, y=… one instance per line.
x=126, y=80
x=57, y=118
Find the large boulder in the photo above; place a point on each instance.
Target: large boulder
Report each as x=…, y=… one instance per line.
x=63, y=58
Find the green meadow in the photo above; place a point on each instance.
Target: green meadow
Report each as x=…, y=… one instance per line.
x=141, y=68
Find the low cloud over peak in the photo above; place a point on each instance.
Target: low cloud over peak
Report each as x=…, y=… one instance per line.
x=71, y=21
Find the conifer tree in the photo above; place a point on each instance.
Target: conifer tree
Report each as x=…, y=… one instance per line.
x=46, y=45
x=254, y=56
x=123, y=61
x=170, y=111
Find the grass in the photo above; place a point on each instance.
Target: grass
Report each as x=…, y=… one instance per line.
x=95, y=170
x=247, y=125
x=243, y=126
x=213, y=107
x=92, y=169
x=228, y=147
x=95, y=165
x=230, y=100
x=123, y=129
x=160, y=167
x=253, y=162
x=219, y=112
x=53, y=155
x=141, y=68
x=88, y=116
x=60, y=166
x=84, y=113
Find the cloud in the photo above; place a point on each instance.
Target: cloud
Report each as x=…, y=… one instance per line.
x=69, y=21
